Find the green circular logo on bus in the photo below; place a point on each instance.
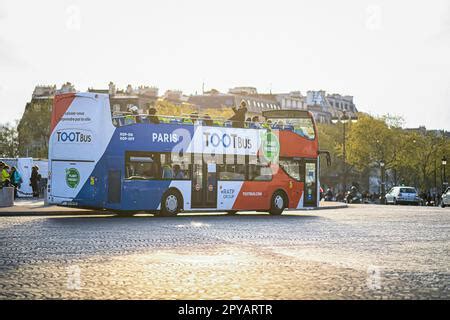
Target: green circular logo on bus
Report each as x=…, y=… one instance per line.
x=72, y=177
x=270, y=146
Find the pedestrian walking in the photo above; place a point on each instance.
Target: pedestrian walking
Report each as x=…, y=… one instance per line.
x=16, y=180
x=34, y=181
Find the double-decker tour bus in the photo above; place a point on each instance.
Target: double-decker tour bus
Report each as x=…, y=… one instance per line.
x=98, y=160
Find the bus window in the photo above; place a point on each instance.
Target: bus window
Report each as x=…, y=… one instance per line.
x=310, y=173
x=234, y=172
x=291, y=167
x=304, y=127
x=141, y=166
x=175, y=166
x=180, y=164
x=166, y=168
x=258, y=170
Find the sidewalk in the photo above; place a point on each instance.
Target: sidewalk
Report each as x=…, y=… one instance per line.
x=331, y=205
x=34, y=207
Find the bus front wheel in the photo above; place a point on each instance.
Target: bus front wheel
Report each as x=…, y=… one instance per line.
x=170, y=204
x=278, y=203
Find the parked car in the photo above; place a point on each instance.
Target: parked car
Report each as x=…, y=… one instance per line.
x=405, y=195
x=445, y=199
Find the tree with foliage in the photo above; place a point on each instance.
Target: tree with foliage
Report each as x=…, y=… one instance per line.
x=411, y=157
x=9, y=143
x=166, y=108
x=371, y=141
x=34, y=129
x=330, y=140
x=419, y=158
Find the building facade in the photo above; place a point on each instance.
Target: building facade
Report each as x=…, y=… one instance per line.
x=292, y=100
x=144, y=97
x=318, y=105
x=325, y=106
x=342, y=103
x=42, y=92
x=256, y=103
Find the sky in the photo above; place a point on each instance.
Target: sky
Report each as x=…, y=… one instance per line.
x=392, y=56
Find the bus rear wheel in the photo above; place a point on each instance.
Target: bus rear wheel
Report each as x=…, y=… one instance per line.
x=278, y=203
x=170, y=204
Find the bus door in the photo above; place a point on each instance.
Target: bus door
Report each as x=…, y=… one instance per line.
x=204, y=184
x=310, y=195
x=114, y=186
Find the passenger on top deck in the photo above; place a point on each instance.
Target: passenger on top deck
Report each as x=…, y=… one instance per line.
x=248, y=122
x=267, y=124
x=208, y=121
x=152, y=116
x=239, y=115
x=256, y=123
x=194, y=117
x=133, y=116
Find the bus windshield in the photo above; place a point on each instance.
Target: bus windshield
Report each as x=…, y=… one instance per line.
x=302, y=126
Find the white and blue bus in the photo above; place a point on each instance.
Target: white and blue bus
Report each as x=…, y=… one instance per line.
x=96, y=161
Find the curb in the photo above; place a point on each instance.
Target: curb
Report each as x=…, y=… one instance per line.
x=343, y=206
x=51, y=213
x=85, y=213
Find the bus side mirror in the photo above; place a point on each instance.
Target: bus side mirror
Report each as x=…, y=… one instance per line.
x=327, y=154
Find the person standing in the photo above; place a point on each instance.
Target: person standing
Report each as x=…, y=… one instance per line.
x=238, y=118
x=153, y=118
x=207, y=120
x=1, y=173
x=4, y=175
x=177, y=173
x=194, y=118
x=35, y=177
x=16, y=180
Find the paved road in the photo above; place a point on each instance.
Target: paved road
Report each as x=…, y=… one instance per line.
x=365, y=251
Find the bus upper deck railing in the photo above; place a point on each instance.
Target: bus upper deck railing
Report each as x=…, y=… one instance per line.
x=129, y=119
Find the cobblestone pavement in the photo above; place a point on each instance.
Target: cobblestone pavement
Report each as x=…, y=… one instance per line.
x=365, y=251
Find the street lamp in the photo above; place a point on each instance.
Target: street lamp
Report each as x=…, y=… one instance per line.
x=444, y=180
x=344, y=118
x=383, y=187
